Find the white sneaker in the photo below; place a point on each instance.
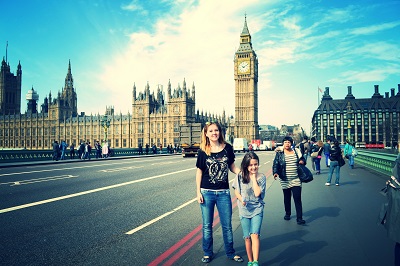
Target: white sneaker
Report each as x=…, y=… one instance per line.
x=327, y=184
x=337, y=185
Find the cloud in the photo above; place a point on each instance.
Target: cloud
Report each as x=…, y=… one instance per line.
x=197, y=45
x=372, y=29
x=132, y=6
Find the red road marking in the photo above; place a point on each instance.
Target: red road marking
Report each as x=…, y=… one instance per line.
x=180, y=248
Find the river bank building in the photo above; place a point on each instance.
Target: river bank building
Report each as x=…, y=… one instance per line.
x=374, y=120
x=155, y=117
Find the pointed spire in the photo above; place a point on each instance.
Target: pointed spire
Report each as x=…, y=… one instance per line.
x=245, y=30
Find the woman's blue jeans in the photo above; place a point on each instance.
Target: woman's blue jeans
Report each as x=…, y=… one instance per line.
x=221, y=199
x=334, y=166
x=351, y=161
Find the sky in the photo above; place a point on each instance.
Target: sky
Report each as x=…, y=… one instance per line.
x=115, y=44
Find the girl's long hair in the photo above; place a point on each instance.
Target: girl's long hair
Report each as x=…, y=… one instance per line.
x=245, y=164
x=205, y=142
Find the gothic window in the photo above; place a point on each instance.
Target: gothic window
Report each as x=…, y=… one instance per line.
x=176, y=109
x=53, y=131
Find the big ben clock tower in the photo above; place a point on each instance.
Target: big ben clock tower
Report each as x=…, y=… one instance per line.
x=246, y=91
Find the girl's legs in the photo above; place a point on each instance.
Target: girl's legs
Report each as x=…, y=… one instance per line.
x=256, y=222
x=246, y=224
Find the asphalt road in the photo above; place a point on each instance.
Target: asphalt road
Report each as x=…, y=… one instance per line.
x=141, y=211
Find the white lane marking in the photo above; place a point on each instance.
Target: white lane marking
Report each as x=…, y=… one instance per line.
x=159, y=217
x=120, y=169
x=37, y=180
x=67, y=168
x=87, y=192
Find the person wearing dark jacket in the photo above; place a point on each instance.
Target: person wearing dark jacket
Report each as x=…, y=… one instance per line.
x=390, y=217
x=335, y=152
x=56, y=150
x=285, y=168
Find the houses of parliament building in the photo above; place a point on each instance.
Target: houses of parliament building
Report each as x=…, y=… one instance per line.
x=155, y=117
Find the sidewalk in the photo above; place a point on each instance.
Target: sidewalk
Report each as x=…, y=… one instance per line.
x=341, y=226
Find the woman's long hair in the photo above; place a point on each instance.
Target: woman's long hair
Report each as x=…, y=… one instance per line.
x=245, y=164
x=205, y=142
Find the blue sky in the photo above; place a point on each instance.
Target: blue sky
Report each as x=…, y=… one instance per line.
x=114, y=44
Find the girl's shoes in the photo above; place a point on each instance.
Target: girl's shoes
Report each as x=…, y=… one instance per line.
x=255, y=263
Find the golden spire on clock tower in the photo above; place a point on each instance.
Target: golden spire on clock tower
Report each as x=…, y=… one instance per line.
x=246, y=88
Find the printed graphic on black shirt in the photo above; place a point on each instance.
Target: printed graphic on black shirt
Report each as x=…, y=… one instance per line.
x=217, y=169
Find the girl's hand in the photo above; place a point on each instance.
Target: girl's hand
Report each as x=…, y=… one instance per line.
x=243, y=203
x=275, y=176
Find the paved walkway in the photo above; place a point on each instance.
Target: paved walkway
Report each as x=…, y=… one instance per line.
x=341, y=226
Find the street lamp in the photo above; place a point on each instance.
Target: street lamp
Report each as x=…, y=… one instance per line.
x=349, y=112
x=105, y=123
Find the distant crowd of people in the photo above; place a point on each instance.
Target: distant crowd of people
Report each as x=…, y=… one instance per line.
x=154, y=149
x=82, y=152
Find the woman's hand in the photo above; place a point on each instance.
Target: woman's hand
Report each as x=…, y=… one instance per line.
x=276, y=176
x=200, y=198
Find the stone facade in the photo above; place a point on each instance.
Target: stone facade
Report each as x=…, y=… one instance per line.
x=154, y=120
x=374, y=120
x=246, y=89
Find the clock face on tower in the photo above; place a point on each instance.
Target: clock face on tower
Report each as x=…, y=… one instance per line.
x=244, y=67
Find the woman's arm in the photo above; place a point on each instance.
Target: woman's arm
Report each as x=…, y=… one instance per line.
x=199, y=174
x=234, y=169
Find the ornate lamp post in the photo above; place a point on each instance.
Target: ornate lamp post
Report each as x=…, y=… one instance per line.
x=349, y=112
x=105, y=123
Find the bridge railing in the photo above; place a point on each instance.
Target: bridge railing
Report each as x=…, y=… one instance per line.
x=7, y=156
x=377, y=161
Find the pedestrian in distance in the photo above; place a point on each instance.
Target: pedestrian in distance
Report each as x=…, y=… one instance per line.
x=72, y=151
x=304, y=147
x=98, y=150
x=214, y=160
x=348, y=152
x=318, y=147
x=154, y=148
x=63, y=149
x=104, y=150
x=335, y=152
x=249, y=187
x=140, y=149
x=285, y=168
x=81, y=150
x=327, y=147
x=147, y=148
x=56, y=150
